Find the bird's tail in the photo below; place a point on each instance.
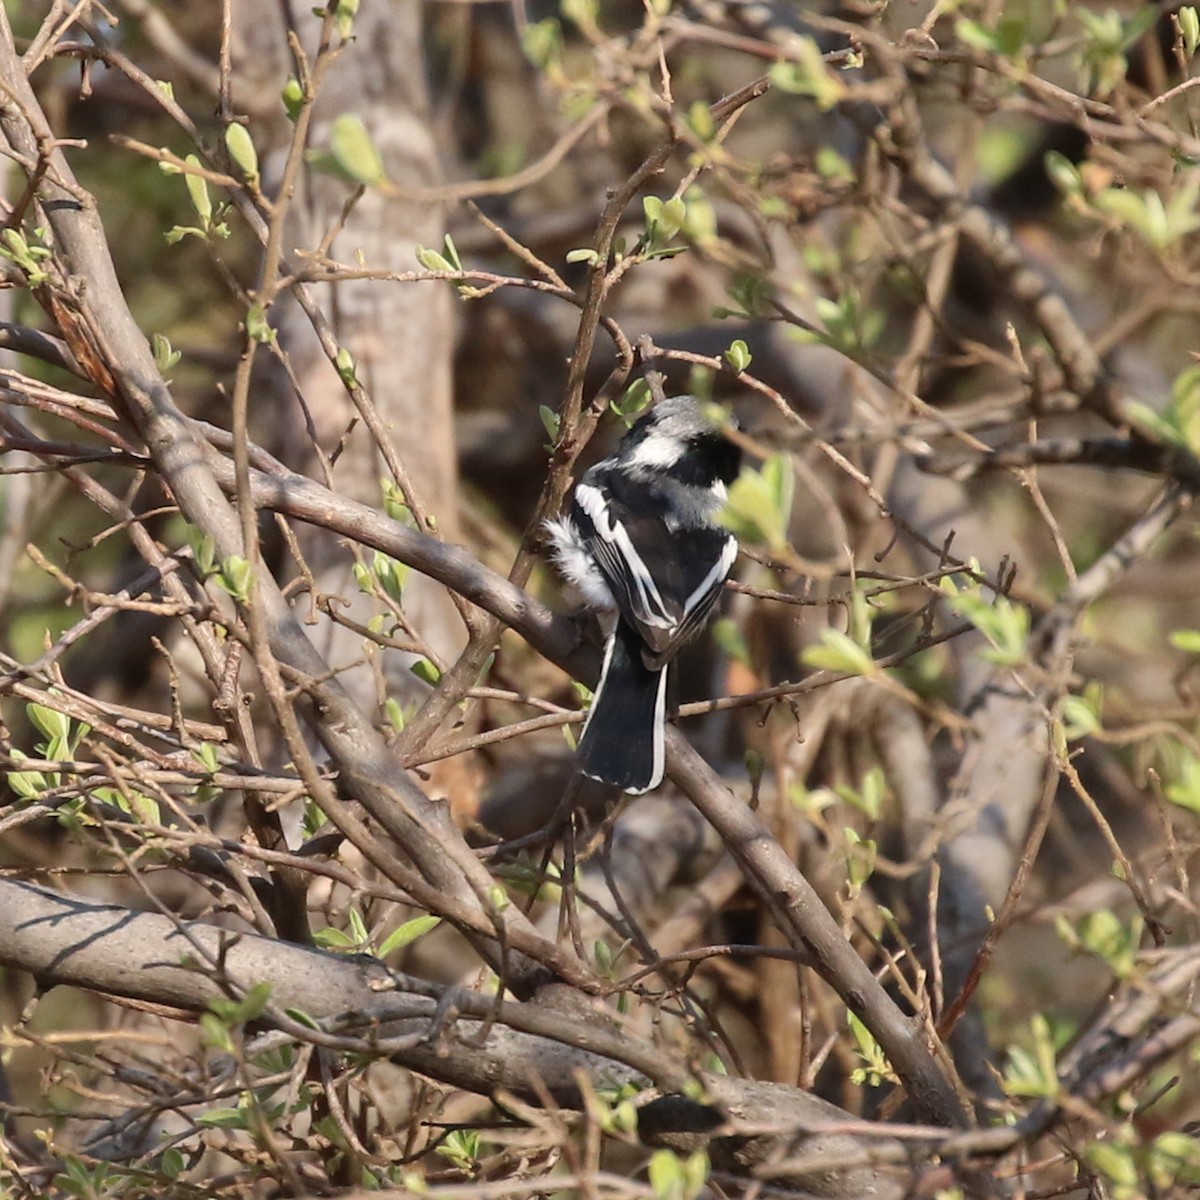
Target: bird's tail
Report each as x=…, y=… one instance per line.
x=622, y=741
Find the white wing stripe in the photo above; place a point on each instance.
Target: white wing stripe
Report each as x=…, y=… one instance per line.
x=591, y=500
x=713, y=579
x=660, y=717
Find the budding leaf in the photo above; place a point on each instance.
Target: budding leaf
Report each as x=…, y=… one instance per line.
x=738, y=356
x=241, y=150
x=354, y=152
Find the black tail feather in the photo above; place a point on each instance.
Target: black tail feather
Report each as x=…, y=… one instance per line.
x=622, y=742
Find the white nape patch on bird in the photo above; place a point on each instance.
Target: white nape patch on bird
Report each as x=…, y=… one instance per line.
x=653, y=611
x=713, y=579
x=576, y=565
x=657, y=450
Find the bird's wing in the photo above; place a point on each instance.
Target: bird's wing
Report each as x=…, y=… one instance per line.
x=665, y=582
x=700, y=601
x=606, y=534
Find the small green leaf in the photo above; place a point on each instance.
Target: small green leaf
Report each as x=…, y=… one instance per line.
x=833, y=166
x=223, y=1118
x=396, y=713
x=738, y=356
x=451, y=252
x=215, y=1032
x=55, y=725
x=1034, y=1072
x=235, y=576
x=27, y=784
x=700, y=119
x=258, y=327
x=1063, y=173
x=197, y=188
x=353, y=150
x=431, y=260
x=876, y=1068
x=1186, y=639
x=976, y=36
x=759, y=507
x=1003, y=622
x=425, y=671
x=860, y=862
x=252, y=1005
x=293, y=98
x=543, y=43
x=241, y=149
x=172, y=1164
x=204, y=551
x=584, y=13
x=635, y=401
x=1080, y=715
x=665, y=1172
x=591, y=257
x=408, y=933
x=334, y=939
x=1184, y=790
x=808, y=75
x=602, y=952
x=346, y=367
x=551, y=421
x=1116, y=1162
x=1189, y=26
x=672, y=217
x=206, y=755
x=344, y=12
x=839, y=652
x=165, y=358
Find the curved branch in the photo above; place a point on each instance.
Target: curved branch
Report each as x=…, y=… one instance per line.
x=518, y=1048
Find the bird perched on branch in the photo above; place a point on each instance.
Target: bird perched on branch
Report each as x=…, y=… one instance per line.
x=641, y=543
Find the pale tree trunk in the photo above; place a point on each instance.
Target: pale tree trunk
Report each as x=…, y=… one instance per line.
x=400, y=335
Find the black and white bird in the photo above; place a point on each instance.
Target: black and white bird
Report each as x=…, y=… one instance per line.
x=642, y=544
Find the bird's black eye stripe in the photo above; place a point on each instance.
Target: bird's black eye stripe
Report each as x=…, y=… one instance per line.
x=712, y=456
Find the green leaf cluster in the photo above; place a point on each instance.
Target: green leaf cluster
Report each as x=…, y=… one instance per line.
x=1002, y=621
x=675, y=1178
x=875, y=1069
x=1103, y=934
x=759, y=508
x=211, y=226
x=1184, y=787
x=62, y=737
x=462, y=1148
x=385, y=576
x=1107, y=39
x=634, y=402
x=225, y=1015
x=1179, y=423
x=1007, y=37
x=1135, y=1168
x=27, y=252
x=839, y=652
x=806, y=74
x=849, y=328
x=1033, y=1071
